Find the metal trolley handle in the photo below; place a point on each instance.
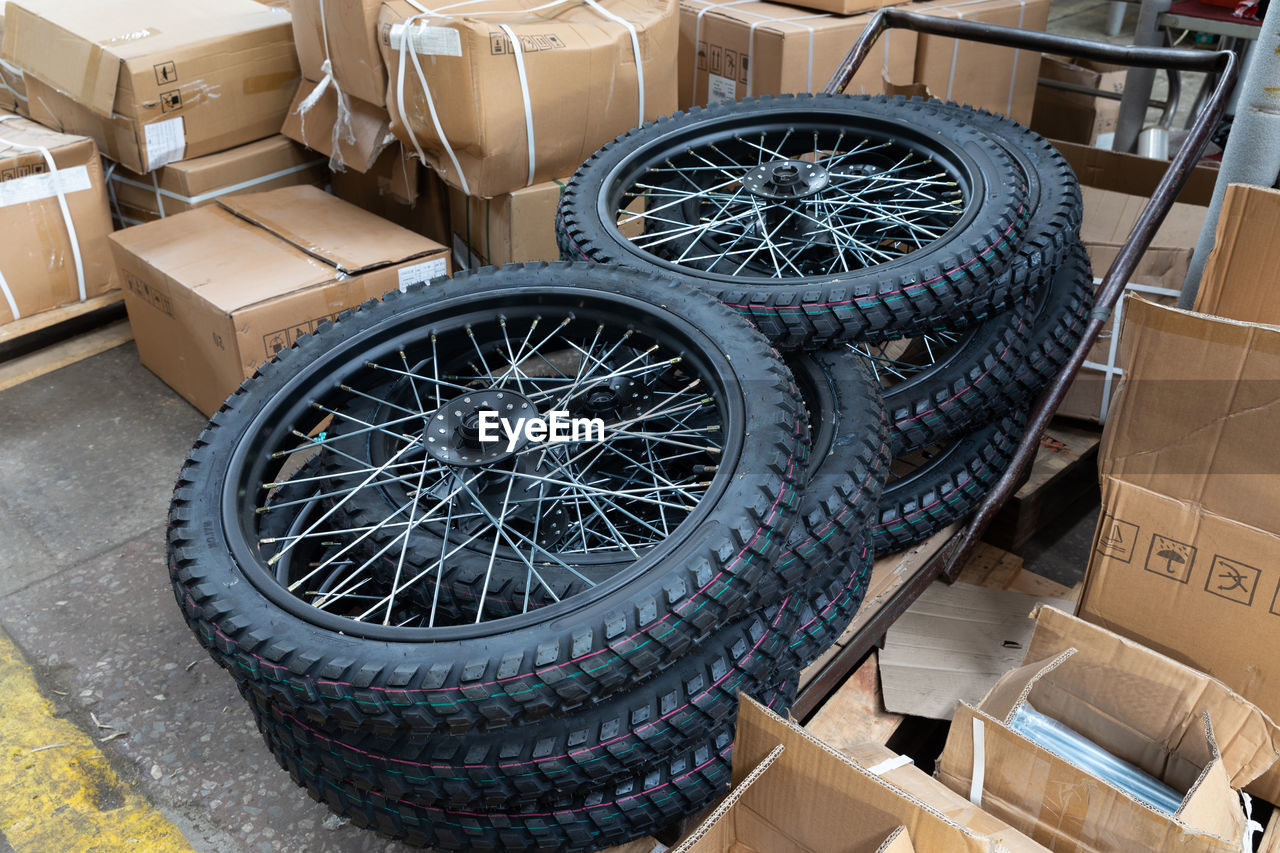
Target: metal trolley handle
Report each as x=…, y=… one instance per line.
x=956, y=552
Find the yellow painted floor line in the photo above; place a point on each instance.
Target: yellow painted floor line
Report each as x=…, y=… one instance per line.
x=58, y=793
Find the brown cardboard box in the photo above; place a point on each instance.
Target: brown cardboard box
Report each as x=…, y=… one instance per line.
x=1076, y=116
x=794, y=792
x=354, y=59
x=267, y=164
x=847, y=7
x=1184, y=556
x=153, y=82
x=1186, y=729
x=492, y=120
x=39, y=268
x=512, y=228
x=214, y=292
x=729, y=51
x=999, y=79
x=1241, y=278
x=399, y=189
x=357, y=143
x=1115, y=187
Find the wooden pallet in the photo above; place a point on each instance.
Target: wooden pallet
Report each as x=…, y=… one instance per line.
x=39, y=344
x=1065, y=470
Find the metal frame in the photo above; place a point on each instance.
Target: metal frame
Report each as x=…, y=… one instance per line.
x=947, y=563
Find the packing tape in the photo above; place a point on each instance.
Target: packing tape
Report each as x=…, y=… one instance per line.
x=1110, y=370
x=343, y=129
x=8, y=297
x=405, y=30
x=62, y=202
x=193, y=200
x=979, y=762
x=889, y=764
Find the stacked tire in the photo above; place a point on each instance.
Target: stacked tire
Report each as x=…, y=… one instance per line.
x=937, y=243
x=527, y=638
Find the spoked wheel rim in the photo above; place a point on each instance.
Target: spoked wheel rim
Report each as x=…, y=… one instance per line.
x=783, y=197
x=683, y=420
x=904, y=362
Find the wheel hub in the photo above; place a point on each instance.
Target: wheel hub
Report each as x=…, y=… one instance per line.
x=786, y=179
x=456, y=431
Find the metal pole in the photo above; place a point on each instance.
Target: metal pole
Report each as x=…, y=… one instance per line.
x=1137, y=83
x=1252, y=155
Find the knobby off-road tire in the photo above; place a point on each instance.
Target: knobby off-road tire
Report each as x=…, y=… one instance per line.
x=363, y=673
x=944, y=483
x=916, y=275
x=946, y=384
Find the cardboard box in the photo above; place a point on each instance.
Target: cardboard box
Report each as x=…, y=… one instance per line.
x=154, y=82
x=492, y=118
x=729, y=51
x=1076, y=116
x=354, y=143
x=794, y=792
x=847, y=7
x=1241, y=278
x=999, y=79
x=1184, y=556
x=512, y=228
x=1115, y=187
x=1179, y=725
x=399, y=189
x=355, y=63
x=214, y=292
x=267, y=164
x=39, y=266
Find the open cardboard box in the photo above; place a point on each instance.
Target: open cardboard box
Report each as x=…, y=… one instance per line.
x=793, y=792
x=1181, y=726
x=1184, y=557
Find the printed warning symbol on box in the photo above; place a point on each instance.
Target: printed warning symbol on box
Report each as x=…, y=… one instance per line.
x=1232, y=580
x=1118, y=539
x=1170, y=558
x=170, y=101
x=274, y=342
x=166, y=73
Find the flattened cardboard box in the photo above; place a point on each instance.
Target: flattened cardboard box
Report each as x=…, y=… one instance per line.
x=155, y=82
x=260, y=166
x=514, y=228
x=999, y=79
x=352, y=51
x=37, y=264
x=1185, y=553
x=729, y=51
x=1114, y=188
x=504, y=115
x=1242, y=274
x=1177, y=724
x=794, y=792
x=214, y=292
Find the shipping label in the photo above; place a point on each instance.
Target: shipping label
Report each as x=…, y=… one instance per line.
x=36, y=184
x=423, y=272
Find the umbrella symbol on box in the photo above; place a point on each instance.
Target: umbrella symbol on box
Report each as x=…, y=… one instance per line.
x=1170, y=557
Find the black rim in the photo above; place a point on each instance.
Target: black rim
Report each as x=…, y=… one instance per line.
x=775, y=195
x=683, y=414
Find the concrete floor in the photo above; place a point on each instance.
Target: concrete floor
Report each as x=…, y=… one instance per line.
x=88, y=456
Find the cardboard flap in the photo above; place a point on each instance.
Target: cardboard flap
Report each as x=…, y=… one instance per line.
x=330, y=229
x=1242, y=276
x=811, y=781
x=59, y=57
x=1197, y=415
x=1113, y=215
x=899, y=841
x=1009, y=693
x=314, y=128
x=1145, y=694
